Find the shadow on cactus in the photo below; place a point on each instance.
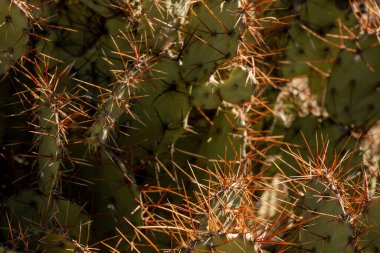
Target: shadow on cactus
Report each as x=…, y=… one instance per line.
x=39, y=212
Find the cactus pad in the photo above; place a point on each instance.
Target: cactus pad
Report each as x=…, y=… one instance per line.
x=14, y=29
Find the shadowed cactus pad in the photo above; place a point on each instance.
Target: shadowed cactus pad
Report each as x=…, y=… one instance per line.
x=14, y=29
x=56, y=243
x=33, y=211
x=212, y=38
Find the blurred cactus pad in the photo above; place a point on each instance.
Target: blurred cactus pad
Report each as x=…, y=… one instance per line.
x=189, y=126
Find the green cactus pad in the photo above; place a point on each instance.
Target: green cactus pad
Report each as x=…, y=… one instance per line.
x=223, y=244
x=239, y=87
x=302, y=48
x=27, y=206
x=162, y=104
x=166, y=142
x=49, y=147
x=56, y=243
x=72, y=218
x=14, y=29
x=156, y=25
x=370, y=222
x=116, y=196
x=353, y=88
x=311, y=12
x=307, y=136
x=161, y=78
x=78, y=28
x=213, y=36
x=160, y=23
x=306, y=52
x=172, y=108
x=224, y=141
x=187, y=146
x=314, y=43
x=81, y=37
x=325, y=228
x=106, y=8
x=206, y=96
x=165, y=75
x=30, y=209
x=160, y=121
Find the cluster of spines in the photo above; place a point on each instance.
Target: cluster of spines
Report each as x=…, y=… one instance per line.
x=187, y=94
x=166, y=68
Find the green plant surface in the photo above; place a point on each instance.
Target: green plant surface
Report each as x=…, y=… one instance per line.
x=14, y=32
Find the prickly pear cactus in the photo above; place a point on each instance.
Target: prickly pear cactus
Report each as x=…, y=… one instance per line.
x=212, y=38
x=369, y=226
x=325, y=226
x=14, y=33
x=149, y=126
x=224, y=243
x=355, y=76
